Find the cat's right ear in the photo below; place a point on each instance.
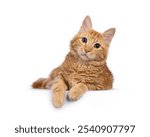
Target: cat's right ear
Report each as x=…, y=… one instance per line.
x=86, y=25
x=108, y=35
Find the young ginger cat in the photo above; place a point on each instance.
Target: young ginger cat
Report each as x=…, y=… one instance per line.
x=84, y=67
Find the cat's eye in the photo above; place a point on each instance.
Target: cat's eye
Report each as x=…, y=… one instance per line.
x=84, y=40
x=97, y=45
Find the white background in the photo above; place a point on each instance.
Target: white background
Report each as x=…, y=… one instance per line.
x=34, y=39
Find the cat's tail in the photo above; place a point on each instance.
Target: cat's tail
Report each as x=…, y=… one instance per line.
x=45, y=83
x=42, y=83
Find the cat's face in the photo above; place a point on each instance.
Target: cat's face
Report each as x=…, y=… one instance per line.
x=90, y=45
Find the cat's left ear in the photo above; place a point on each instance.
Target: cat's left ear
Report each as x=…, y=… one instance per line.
x=86, y=25
x=108, y=35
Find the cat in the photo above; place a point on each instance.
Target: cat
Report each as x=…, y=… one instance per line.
x=84, y=67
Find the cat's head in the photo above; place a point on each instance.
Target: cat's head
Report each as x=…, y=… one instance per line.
x=91, y=45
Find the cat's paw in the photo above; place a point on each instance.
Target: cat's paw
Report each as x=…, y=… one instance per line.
x=58, y=100
x=74, y=95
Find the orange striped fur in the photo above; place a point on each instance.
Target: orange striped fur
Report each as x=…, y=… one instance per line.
x=84, y=67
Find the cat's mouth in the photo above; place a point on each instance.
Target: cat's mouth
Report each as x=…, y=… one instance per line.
x=84, y=56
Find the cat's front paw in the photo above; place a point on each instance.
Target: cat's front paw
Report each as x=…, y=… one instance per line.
x=58, y=100
x=74, y=95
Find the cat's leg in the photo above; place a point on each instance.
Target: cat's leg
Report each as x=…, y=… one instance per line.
x=77, y=91
x=58, y=87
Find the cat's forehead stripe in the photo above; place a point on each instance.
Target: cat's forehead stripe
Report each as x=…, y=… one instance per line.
x=95, y=35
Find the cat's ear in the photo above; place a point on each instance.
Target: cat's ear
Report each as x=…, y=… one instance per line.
x=86, y=25
x=108, y=35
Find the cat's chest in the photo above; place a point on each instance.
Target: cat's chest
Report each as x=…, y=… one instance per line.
x=80, y=69
x=81, y=73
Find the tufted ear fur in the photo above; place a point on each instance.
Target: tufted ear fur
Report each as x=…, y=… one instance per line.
x=108, y=35
x=86, y=25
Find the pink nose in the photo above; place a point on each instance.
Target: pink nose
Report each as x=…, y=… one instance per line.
x=87, y=49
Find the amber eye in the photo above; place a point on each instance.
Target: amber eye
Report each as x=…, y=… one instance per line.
x=97, y=45
x=84, y=40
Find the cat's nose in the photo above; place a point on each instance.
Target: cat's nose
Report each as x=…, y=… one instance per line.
x=87, y=49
